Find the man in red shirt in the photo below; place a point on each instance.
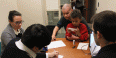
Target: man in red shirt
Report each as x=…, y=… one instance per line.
x=76, y=30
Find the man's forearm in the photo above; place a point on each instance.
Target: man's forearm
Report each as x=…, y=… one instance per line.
x=55, y=30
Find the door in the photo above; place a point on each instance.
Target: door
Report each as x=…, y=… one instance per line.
x=85, y=10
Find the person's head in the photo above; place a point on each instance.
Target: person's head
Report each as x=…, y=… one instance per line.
x=36, y=36
x=15, y=19
x=104, y=27
x=66, y=10
x=76, y=17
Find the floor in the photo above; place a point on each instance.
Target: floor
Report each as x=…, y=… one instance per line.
x=62, y=35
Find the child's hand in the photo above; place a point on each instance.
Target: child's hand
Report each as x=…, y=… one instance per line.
x=69, y=30
x=77, y=32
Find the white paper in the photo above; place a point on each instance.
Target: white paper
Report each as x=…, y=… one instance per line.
x=83, y=46
x=72, y=29
x=60, y=56
x=56, y=44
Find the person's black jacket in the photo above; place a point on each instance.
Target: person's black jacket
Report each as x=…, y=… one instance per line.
x=107, y=52
x=12, y=51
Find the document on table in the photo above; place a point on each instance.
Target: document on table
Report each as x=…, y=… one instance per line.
x=60, y=56
x=83, y=46
x=56, y=44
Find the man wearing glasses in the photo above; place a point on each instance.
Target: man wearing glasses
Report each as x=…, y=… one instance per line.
x=13, y=29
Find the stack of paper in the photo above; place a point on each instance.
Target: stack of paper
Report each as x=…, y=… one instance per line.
x=56, y=44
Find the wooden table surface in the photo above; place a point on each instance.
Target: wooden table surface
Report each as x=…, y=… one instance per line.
x=69, y=52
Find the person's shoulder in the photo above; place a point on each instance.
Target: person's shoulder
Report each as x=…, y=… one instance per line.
x=7, y=29
x=62, y=18
x=81, y=24
x=83, y=18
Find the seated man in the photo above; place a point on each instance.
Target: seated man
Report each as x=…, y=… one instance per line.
x=104, y=28
x=80, y=31
x=13, y=29
x=34, y=38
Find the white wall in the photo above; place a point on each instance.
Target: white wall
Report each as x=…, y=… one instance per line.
x=106, y=5
x=33, y=11
x=5, y=7
x=52, y=5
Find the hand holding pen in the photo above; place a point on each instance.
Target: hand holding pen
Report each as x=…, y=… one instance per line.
x=53, y=54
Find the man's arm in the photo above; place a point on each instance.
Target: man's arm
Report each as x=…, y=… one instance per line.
x=6, y=38
x=58, y=27
x=54, y=32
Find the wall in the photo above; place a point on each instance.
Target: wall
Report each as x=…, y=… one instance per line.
x=52, y=5
x=5, y=7
x=106, y=5
x=33, y=12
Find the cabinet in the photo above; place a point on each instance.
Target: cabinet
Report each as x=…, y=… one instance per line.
x=53, y=17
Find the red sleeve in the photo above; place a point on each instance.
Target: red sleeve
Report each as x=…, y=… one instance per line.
x=68, y=34
x=84, y=32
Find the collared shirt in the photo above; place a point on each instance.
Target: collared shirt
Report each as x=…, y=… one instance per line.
x=17, y=32
x=21, y=46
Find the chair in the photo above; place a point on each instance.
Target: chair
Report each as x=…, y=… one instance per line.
x=51, y=28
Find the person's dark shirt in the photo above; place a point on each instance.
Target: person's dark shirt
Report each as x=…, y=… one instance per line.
x=12, y=51
x=19, y=35
x=63, y=23
x=107, y=52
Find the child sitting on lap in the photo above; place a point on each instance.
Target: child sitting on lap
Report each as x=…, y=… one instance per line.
x=76, y=30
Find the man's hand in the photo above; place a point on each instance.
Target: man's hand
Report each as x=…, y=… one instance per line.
x=69, y=30
x=54, y=54
x=54, y=32
x=53, y=37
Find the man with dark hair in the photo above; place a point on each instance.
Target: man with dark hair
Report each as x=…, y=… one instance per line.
x=34, y=38
x=104, y=28
x=66, y=19
x=76, y=30
x=13, y=29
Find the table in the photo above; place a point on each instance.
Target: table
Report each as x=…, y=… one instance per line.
x=69, y=52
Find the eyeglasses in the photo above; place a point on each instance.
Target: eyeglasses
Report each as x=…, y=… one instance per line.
x=18, y=22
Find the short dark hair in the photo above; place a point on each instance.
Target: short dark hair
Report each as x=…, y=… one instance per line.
x=105, y=23
x=76, y=13
x=36, y=35
x=12, y=14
